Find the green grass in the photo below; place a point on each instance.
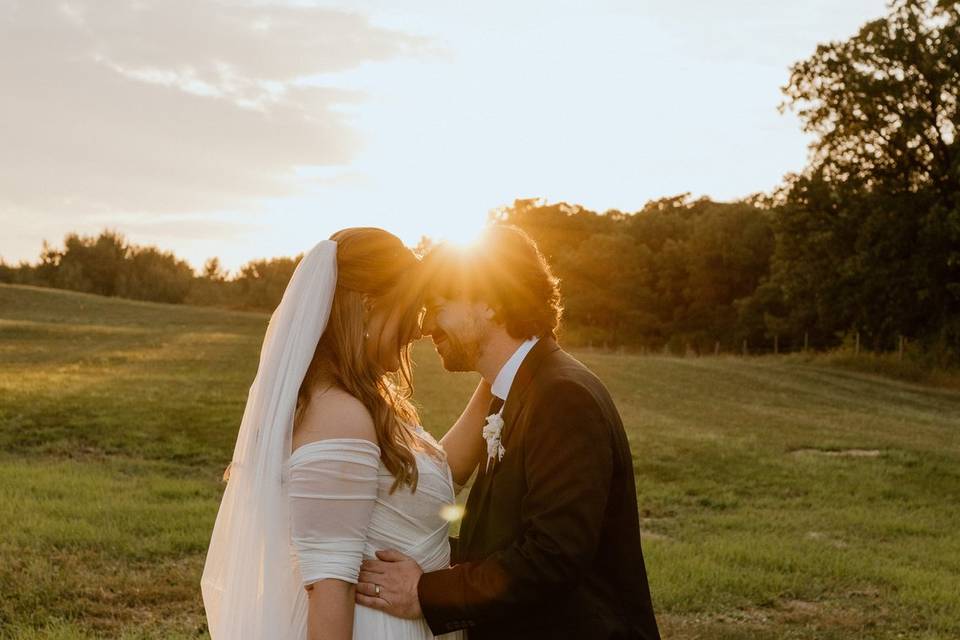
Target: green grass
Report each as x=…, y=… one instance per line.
x=914, y=366
x=118, y=417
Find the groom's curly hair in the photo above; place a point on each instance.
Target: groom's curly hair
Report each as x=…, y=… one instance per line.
x=504, y=268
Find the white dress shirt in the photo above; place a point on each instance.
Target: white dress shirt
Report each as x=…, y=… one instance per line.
x=504, y=380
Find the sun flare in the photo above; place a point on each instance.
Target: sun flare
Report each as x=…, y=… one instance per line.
x=462, y=231
x=452, y=512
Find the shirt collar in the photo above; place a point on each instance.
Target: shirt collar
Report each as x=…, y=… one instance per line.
x=504, y=380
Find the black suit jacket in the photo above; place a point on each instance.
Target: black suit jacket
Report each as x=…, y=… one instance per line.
x=549, y=546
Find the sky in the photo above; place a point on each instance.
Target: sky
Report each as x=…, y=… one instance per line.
x=255, y=129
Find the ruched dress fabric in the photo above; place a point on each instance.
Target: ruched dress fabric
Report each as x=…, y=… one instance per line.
x=341, y=511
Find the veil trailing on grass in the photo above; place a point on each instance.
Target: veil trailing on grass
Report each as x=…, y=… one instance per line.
x=251, y=585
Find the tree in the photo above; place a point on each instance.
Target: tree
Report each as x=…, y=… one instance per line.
x=212, y=270
x=727, y=255
x=599, y=284
x=883, y=104
x=869, y=234
x=86, y=263
x=151, y=274
x=260, y=283
x=107, y=265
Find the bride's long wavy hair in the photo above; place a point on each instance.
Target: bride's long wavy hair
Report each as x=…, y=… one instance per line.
x=374, y=270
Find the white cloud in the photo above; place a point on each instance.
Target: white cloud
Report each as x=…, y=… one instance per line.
x=174, y=106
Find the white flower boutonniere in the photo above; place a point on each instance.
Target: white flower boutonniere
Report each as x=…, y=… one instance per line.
x=491, y=433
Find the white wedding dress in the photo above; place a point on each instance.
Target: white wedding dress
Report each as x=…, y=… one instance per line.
x=342, y=511
x=289, y=519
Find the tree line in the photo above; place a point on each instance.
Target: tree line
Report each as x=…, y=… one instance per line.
x=863, y=244
x=864, y=241
x=670, y=275
x=109, y=265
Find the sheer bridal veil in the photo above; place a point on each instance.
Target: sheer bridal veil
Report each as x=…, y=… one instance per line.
x=251, y=587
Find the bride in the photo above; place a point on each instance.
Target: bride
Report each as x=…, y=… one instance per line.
x=329, y=465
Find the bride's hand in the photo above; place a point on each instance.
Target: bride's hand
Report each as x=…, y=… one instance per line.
x=463, y=443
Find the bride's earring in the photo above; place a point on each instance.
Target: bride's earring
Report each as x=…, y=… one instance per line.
x=366, y=316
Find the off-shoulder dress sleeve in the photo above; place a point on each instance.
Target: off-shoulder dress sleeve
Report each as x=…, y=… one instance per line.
x=332, y=492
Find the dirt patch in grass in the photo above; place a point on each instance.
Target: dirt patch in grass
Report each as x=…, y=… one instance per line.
x=858, y=614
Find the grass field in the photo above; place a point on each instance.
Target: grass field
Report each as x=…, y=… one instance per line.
x=780, y=499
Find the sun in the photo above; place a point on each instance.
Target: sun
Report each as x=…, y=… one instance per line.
x=462, y=231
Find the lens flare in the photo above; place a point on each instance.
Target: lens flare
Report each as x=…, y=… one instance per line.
x=463, y=232
x=452, y=512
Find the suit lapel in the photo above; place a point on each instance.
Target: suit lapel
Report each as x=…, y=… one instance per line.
x=521, y=383
x=511, y=408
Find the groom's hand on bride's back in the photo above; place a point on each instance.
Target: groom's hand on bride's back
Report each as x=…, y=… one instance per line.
x=390, y=584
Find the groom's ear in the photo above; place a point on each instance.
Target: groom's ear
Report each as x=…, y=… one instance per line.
x=485, y=311
x=481, y=311
x=492, y=314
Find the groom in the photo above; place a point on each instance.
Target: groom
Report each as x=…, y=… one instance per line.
x=549, y=545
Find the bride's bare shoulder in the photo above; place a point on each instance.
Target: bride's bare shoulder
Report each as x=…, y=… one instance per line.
x=334, y=413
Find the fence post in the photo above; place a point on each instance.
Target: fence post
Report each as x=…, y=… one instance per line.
x=806, y=340
x=856, y=348
x=744, y=346
x=900, y=348
x=716, y=348
x=776, y=344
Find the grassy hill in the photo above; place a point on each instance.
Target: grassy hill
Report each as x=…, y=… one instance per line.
x=780, y=499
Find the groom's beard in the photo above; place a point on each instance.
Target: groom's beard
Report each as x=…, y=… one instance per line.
x=459, y=355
